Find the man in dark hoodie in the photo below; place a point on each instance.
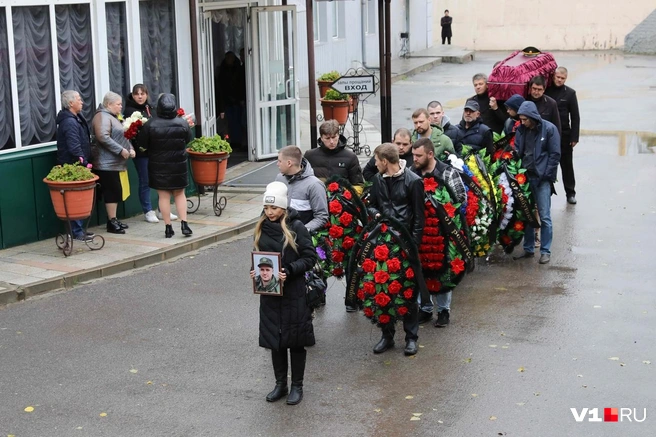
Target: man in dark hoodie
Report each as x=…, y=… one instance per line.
x=333, y=158
x=568, y=108
x=306, y=193
x=538, y=145
x=472, y=132
x=73, y=143
x=403, y=142
x=512, y=106
x=438, y=117
x=491, y=109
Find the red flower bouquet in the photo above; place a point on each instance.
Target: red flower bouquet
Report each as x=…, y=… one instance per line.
x=347, y=217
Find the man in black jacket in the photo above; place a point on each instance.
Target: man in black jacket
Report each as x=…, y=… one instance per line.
x=570, y=122
x=333, y=158
x=73, y=143
x=547, y=106
x=398, y=193
x=491, y=109
x=438, y=117
x=472, y=132
x=403, y=142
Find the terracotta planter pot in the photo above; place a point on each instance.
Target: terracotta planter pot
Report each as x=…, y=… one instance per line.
x=324, y=86
x=335, y=110
x=208, y=168
x=76, y=198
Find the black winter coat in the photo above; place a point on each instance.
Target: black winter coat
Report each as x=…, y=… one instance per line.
x=402, y=198
x=338, y=161
x=166, y=137
x=370, y=170
x=548, y=109
x=492, y=118
x=478, y=136
x=130, y=108
x=286, y=321
x=73, y=140
x=568, y=108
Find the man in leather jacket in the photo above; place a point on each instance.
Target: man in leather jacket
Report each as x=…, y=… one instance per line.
x=399, y=193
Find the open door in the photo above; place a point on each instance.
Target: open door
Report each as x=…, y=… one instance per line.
x=275, y=85
x=208, y=107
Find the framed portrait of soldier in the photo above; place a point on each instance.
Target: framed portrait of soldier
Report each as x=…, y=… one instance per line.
x=267, y=268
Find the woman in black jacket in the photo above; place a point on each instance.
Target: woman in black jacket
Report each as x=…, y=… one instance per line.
x=166, y=137
x=285, y=321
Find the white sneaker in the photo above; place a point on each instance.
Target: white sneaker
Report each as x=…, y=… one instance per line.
x=173, y=216
x=151, y=217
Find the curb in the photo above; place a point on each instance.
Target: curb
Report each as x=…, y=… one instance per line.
x=420, y=69
x=70, y=280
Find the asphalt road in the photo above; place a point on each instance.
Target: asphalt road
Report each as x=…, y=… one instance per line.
x=172, y=350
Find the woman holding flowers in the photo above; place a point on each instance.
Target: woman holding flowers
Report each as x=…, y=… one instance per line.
x=110, y=152
x=166, y=137
x=285, y=321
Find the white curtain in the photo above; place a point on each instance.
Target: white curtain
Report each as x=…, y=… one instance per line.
x=158, y=46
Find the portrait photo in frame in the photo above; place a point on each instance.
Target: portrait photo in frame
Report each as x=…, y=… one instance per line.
x=267, y=269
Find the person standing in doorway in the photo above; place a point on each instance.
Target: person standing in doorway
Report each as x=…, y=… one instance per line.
x=445, y=22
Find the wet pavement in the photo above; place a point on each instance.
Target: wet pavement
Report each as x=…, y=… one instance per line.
x=172, y=349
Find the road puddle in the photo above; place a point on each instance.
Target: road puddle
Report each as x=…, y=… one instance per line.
x=628, y=143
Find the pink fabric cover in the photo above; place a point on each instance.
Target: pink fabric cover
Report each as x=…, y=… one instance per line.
x=512, y=75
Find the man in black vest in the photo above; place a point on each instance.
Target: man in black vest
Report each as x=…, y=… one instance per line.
x=471, y=130
x=570, y=122
x=398, y=193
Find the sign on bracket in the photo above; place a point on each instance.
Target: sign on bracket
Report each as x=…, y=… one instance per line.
x=355, y=85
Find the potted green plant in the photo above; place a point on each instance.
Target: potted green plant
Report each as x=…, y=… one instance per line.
x=335, y=106
x=209, y=159
x=326, y=80
x=72, y=188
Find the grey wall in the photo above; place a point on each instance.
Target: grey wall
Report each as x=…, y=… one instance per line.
x=642, y=39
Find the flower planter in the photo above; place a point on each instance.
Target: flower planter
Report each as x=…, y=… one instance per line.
x=335, y=110
x=72, y=200
x=324, y=86
x=208, y=168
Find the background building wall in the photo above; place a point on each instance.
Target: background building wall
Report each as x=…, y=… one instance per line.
x=642, y=39
x=556, y=25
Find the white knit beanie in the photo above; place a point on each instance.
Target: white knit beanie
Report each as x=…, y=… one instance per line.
x=275, y=195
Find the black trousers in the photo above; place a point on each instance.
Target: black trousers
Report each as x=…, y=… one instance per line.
x=410, y=324
x=567, y=165
x=444, y=38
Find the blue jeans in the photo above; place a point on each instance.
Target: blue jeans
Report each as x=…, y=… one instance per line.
x=442, y=300
x=77, y=228
x=542, y=193
x=144, y=190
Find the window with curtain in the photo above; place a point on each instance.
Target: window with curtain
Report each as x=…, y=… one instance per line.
x=7, y=140
x=158, y=46
x=335, y=14
x=315, y=21
x=76, y=53
x=117, y=45
x=36, y=89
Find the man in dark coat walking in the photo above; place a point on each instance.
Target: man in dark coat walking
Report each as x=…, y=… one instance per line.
x=73, y=143
x=402, y=140
x=438, y=117
x=570, y=122
x=492, y=110
x=399, y=193
x=547, y=107
x=472, y=132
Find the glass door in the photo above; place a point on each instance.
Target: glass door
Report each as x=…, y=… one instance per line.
x=275, y=85
x=208, y=106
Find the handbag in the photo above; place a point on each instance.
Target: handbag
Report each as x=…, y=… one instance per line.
x=315, y=287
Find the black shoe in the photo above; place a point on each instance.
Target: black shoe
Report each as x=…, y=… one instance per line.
x=113, y=227
x=295, y=395
x=524, y=255
x=384, y=344
x=351, y=308
x=410, y=347
x=278, y=393
x=122, y=225
x=425, y=317
x=168, y=232
x=185, y=229
x=442, y=319
x=571, y=200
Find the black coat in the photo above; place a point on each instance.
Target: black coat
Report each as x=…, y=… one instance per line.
x=568, y=108
x=338, y=161
x=146, y=110
x=478, y=136
x=73, y=140
x=548, y=109
x=492, y=118
x=402, y=198
x=445, y=22
x=286, y=321
x=166, y=137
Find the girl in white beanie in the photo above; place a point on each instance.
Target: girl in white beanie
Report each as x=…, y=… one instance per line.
x=285, y=321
